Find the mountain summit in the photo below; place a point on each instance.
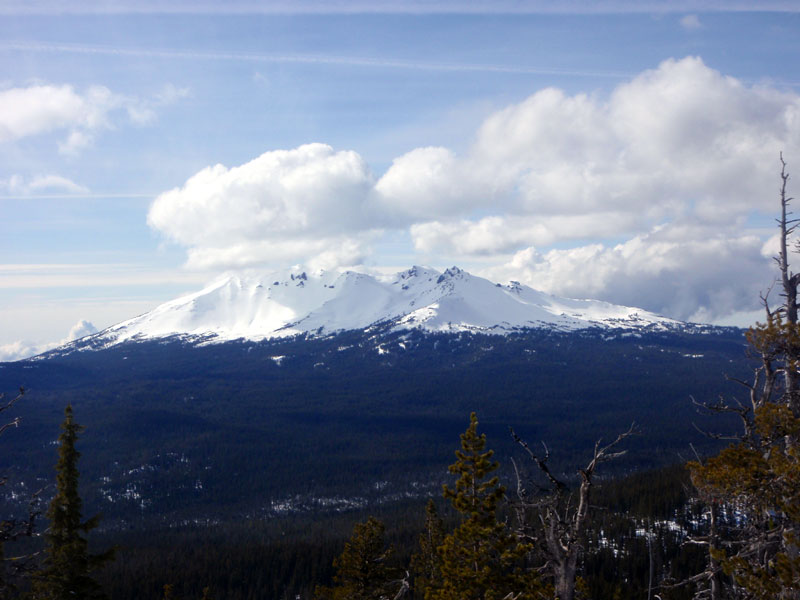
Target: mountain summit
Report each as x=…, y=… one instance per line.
x=292, y=302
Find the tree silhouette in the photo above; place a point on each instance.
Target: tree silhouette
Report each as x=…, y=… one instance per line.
x=66, y=573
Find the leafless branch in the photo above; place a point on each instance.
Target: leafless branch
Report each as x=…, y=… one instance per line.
x=7, y=406
x=604, y=455
x=562, y=523
x=10, y=403
x=723, y=407
x=405, y=586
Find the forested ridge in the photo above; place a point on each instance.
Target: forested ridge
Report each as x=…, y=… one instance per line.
x=644, y=519
x=229, y=414
x=293, y=555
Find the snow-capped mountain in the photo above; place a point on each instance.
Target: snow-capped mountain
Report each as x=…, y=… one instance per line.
x=258, y=307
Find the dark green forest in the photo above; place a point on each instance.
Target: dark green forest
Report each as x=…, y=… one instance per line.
x=192, y=430
x=288, y=557
x=641, y=522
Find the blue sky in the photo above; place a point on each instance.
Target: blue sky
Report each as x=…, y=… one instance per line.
x=623, y=151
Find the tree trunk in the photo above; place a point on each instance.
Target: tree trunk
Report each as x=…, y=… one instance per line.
x=713, y=563
x=789, y=283
x=565, y=577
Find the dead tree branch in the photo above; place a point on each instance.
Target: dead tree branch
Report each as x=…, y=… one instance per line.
x=554, y=521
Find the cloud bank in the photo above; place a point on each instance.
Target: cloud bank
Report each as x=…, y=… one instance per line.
x=23, y=349
x=641, y=197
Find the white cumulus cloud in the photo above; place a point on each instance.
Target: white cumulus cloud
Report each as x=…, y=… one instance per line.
x=501, y=234
x=307, y=203
x=79, y=116
x=426, y=183
x=679, y=139
x=687, y=272
x=81, y=329
x=25, y=349
x=641, y=195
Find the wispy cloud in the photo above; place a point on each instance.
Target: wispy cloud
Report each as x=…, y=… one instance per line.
x=317, y=59
x=310, y=59
x=48, y=7
x=691, y=22
x=45, y=108
x=17, y=186
x=38, y=276
x=73, y=196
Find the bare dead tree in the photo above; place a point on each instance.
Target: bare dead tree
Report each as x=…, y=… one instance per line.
x=787, y=225
x=556, y=520
x=764, y=494
x=789, y=281
x=776, y=353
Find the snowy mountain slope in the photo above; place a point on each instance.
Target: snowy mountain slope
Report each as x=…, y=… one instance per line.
x=258, y=307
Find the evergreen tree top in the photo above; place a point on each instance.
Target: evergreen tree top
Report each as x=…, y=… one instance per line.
x=474, y=495
x=65, y=509
x=67, y=565
x=481, y=559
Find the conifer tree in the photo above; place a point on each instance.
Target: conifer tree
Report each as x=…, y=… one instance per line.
x=362, y=572
x=481, y=559
x=426, y=564
x=66, y=574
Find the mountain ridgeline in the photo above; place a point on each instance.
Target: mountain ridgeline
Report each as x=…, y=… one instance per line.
x=254, y=306
x=194, y=427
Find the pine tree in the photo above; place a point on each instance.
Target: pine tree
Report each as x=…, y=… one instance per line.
x=426, y=564
x=763, y=482
x=481, y=559
x=68, y=564
x=362, y=572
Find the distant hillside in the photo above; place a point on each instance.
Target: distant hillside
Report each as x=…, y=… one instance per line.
x=177, y=431
x=259, y=306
